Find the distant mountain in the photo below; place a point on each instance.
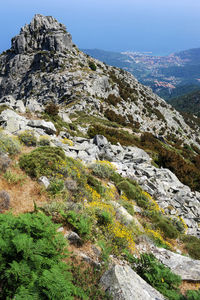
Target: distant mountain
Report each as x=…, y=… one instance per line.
x=188, y=103
x=168, y=76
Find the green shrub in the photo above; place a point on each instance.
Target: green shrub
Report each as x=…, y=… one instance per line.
x=52, y=109
x=31, y=259
x=28, y=138
x=112, y=99
x=14, y=178
x=44, y=161
x=165, y=224
x=9, y=145
x=44, y=141
x=133, y=192
x=193, y=295
x=113, y=135
x=56, y=186
x=192, y=244
x=113, y=117
x=92, y=66
x=80, y=222
x=96, y=184
x=103, y=217
x=102, y=170
x=157, y=275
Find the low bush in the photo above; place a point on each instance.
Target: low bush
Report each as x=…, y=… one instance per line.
x=192, y=245
x=56, y=186
x=113, y=117
x=165, y=225
x=52, y=109
x=44, y=141
x=96, y=184
x=112, y=99
x=14, y=178
x=9, y=145
x=28, y=138
x=92, y=66
x=104, y=217
x=102, y=169
x=133, y=192
x=113, y=135
x=31, y=259
x=44, y=161
x=80, y=222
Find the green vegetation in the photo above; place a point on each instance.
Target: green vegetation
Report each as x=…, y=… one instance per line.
x=14, y=178
x=192, y=245
x=9, y=145
x=44, y=161
x=31, y=259
x=80, y=222
x=92, y=65
x=28, y=138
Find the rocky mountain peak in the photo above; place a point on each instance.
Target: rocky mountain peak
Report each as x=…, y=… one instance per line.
x=43, y=33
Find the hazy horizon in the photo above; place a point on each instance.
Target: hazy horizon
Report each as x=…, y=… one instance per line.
x=115, y=25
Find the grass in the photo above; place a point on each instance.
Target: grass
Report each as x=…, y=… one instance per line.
x=14, y=178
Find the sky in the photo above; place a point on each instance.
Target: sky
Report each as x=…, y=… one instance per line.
x=157, y=26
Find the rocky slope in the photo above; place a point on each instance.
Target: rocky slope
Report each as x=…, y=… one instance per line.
x=53, y=95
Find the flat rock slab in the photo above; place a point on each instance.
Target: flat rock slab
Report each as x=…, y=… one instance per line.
x=124, y=284
x=186, y=267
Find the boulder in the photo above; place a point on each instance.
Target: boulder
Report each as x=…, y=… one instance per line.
x=48, y=127
x=73, y=238
x=186, y=267
x=100, y=141
x=12, y=122
x=122, y=283
x=44, y=181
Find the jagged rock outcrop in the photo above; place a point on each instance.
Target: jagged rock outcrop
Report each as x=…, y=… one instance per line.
x=122, y=283
x=43, y=33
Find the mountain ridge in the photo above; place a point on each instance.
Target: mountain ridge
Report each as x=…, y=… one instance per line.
x=102, y=155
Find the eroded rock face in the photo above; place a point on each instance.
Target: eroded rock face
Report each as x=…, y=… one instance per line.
x=124, y=284
x=43, y=33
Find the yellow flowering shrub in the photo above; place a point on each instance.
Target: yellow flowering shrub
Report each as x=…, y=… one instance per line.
x=121, y=235
x=67, y=142
x=158, y=237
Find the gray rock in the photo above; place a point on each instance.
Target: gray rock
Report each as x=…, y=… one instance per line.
x=44, y=181
x=186, y=267
x=12, y=122
x=33, y=106
x=122, y=213
x=90, y=260
x=48, y=127
x=19, y=106
x=122, y=283
x=5, y=162
x=100, y=141
x=8, y=100
x=71, y=184
x=73, y=238
x=4, y=201
x=65, y=117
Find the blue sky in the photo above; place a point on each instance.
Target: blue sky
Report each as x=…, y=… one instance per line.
x=160, y=26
